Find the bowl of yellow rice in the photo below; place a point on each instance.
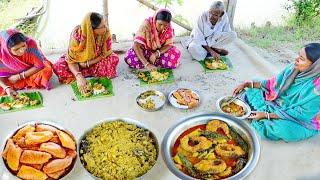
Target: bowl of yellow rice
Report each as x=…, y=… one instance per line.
x=118, y=148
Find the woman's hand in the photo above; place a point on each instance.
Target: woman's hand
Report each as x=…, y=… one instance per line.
x=14, y=78
x=257, y=115
x=150, y=67
x=11, y=92
x=240, y=88
x=153, y=58
x=81, y=82
x=84, y=64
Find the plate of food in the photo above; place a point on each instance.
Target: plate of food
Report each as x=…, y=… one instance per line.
x=118, y=149
x=184, y=98
x=159, y=76
x=40, y=151
x=23, y=101
x=211, y=64
x=96, y=87
x=236, y=107
x=151, y=100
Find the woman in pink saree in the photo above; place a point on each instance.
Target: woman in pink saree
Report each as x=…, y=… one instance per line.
x=153, y=44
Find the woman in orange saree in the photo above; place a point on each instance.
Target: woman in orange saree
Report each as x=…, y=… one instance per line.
x=22, y=64
x=89, y=53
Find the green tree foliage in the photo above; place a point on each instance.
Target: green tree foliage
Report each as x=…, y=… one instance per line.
x=305, y=12
x=167, y=3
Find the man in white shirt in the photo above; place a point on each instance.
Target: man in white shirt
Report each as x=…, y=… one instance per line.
x=211, y=32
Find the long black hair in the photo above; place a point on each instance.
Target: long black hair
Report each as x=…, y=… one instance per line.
x=164, y=16
x=313, y=51
x=16, y=39
x=95, y=19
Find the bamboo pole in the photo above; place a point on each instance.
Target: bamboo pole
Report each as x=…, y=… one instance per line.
x=155, y=8
x=230, y=9
x=106, y=11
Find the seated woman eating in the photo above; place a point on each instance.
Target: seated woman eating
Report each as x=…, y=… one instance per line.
x=22, y=64
x=211, y=33
x=89, y=53
x=153, y=44
x=287, y=107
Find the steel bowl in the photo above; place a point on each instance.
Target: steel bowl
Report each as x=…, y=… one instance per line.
x=160, y=101
x=173, y=100
x=221, y=101
x=127, y=120
x=65, y=176
x=242, y=128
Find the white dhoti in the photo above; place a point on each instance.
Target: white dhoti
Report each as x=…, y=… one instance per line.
x=206, y=34
x=218, y=41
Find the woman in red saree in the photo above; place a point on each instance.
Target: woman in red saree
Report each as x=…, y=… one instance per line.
x=22, y=64
x=153, y=45
x=89, y=53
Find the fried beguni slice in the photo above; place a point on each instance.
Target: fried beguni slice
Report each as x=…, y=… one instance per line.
x=66, y=140
x=5, y=151
x=22, y=132
x=57, y=165
x=56, y=175
x=54, y=149
x=13, y=155
x=34, y=157
x=30, y=173
x=44, y=127
x=38, y=137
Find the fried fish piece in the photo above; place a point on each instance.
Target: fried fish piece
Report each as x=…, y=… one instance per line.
x=30, y=173
x=57, y=165
x=54, y=149
x=66, y=140
x=34, y=157
x=38, y=137
x=55, y=139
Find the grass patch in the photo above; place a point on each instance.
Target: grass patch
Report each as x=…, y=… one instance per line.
x=291, y=36
x=14, y=9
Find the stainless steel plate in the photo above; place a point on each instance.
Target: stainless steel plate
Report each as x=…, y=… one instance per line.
x=127, y=120
x=173, y=100
x=242, y=128
x=221, y=101
x=155, y=96
x=46, y=123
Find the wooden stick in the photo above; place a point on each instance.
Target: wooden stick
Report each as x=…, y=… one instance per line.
x=155, y=8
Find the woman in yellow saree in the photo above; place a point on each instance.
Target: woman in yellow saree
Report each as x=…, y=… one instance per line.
x=89, y=53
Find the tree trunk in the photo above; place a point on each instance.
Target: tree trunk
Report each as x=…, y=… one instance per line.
x=151, y=6
x=230, y=9
x=106, y=11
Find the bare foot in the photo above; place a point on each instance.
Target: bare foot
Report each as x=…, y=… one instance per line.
x=221, y=51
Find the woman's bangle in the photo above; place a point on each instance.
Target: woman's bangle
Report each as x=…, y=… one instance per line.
x=146, y=64
x=87, y=63
x=7, y=87
x=268, y=115
x=20, y=76
x=23, y=74
x=159, y=53
x=77, y=74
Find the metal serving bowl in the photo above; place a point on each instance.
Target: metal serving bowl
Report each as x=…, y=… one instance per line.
x=221, y=101
x=129, y=121
x=65, y=176
x=242, y=128
x=159, y=100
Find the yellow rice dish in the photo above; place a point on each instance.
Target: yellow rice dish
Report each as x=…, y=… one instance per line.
x=118, y=150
